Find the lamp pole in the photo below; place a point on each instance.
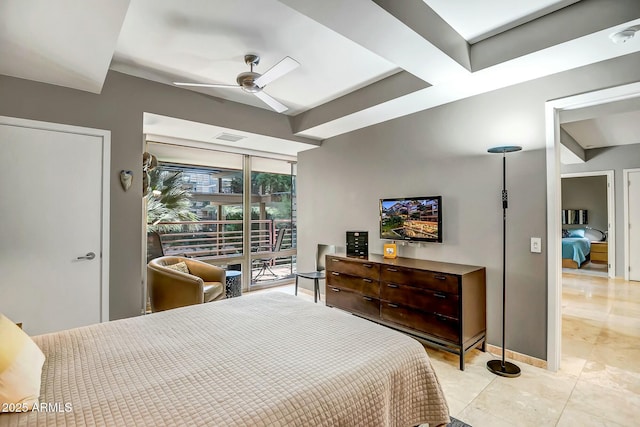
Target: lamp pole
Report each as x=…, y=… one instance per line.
x=502, y=367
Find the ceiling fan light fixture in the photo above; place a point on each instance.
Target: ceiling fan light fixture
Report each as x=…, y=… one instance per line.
x=252, y=82
x=624, y=36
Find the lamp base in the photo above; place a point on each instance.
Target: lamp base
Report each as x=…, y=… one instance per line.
x=507, y=370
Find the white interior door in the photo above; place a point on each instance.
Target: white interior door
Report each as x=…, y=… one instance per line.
x=633, y=188
x=51, y=222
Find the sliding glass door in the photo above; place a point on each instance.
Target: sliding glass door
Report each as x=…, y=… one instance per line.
x=273, y=227
x=197, y=208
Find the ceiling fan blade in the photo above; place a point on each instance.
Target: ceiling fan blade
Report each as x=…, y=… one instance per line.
x=278, y=70
x=271, y=102
x=206, y=85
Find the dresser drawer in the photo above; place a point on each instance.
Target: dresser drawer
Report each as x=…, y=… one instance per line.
x=432, y=324
x=599, y=257
x=421, y=299
x=353, y=302
x=599, y=247
x=353, y=268
x=362, y=285
x=420, y=279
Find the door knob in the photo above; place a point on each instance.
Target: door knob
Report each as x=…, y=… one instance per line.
x=90, y=255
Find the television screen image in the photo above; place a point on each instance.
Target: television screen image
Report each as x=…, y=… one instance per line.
x=412, y=218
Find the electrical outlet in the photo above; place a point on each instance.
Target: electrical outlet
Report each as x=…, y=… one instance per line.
x=536, y=244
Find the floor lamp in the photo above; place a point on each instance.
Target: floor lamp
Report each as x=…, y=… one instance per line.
x=500, y=367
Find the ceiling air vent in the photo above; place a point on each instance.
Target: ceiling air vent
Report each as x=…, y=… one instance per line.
x=229, y=137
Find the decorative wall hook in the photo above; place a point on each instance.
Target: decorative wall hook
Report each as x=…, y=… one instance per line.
x=126, y=178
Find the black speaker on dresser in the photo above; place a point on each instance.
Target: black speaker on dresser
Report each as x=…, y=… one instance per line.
x=358, y=243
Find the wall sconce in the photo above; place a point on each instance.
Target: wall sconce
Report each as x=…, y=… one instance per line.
x=126, y=178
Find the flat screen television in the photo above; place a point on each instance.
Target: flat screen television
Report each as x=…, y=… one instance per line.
x=411, y=218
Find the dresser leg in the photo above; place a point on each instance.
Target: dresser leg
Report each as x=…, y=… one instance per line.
x=461, y=360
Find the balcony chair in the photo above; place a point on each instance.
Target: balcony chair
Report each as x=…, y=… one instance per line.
x=272, y=256
x=154, y=246
x=178, y=281
x=321, y=252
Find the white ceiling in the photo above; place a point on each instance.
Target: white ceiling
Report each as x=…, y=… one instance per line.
x=362, y=61
x=206, y=40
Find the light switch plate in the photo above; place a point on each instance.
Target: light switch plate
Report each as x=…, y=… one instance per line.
x=536, y=245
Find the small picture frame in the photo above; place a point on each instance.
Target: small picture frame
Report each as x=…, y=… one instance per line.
x=390, y=250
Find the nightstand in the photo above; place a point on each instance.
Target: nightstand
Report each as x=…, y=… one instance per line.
x=600, y=252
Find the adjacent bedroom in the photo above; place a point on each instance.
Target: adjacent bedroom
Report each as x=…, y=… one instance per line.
x=584, y=225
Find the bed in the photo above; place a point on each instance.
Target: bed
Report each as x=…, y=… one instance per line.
x=267, y=359
x=575, y=251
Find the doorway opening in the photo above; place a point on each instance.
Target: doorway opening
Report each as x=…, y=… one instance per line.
x=588, y=206
x=553, y=110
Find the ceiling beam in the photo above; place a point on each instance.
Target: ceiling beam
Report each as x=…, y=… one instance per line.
x=381, y=32
x=572, y=22
x=416, y=15
x=577, y=52
x=572, y=145
x=392, y=87
x=594, y=111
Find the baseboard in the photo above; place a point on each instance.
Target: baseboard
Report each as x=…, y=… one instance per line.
x=533, y=361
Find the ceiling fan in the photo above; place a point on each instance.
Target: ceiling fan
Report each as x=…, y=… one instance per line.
x=253, y=82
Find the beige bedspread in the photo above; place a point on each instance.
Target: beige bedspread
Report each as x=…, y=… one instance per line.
x=266, y=359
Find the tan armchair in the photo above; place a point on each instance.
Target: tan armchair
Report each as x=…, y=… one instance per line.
x=169, y=288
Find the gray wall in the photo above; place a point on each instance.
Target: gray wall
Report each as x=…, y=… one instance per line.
x=616, y=159
x=119, y=108
x=341, y=182
x=590, y=193
x=364, y=170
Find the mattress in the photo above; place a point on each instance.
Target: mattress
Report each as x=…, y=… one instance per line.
x=267, y=359
x=576, y=248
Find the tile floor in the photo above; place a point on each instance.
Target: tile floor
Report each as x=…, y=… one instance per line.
x=599, y=380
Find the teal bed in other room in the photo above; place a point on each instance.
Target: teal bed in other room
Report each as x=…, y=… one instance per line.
x=575, y=251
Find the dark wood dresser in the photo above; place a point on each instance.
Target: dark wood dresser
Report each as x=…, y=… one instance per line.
x=440, y=303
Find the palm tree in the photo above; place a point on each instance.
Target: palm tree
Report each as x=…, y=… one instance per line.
x=168, y=201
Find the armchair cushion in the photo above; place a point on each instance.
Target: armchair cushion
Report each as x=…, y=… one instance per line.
x=179, y=266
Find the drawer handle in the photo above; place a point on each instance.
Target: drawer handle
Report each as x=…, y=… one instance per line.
x=393, y=305
x=367, y=265
x=439, y=295
x=440, y=277
x=367, y=298
x=441, y=317
x=335, y=289
x=392, y=269
x=335, y=273
x=368, y=280
x=391, y=285
x=335, y=260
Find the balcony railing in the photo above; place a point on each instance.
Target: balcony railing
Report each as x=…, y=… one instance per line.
x=220, y=242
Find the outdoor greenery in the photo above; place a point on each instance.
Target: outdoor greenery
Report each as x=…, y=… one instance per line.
x=168, y=201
